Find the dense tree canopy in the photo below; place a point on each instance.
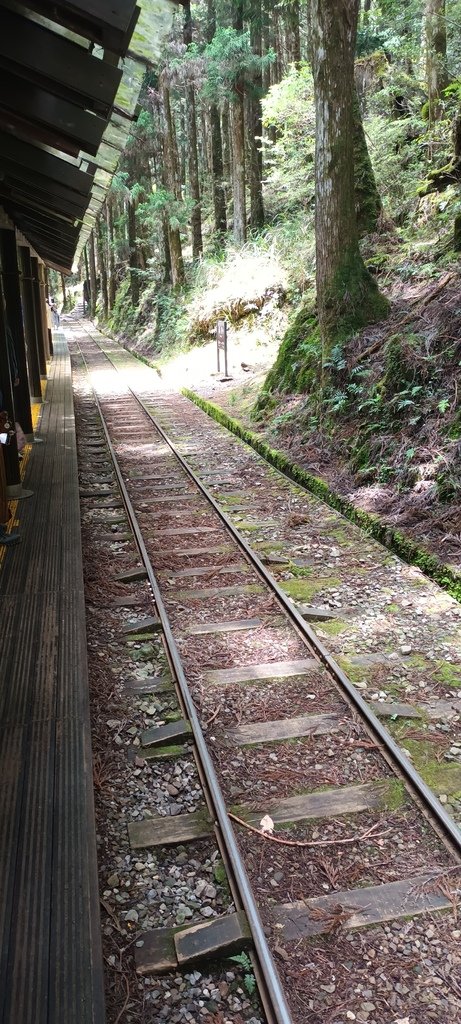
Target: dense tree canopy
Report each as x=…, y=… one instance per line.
x=262, y=114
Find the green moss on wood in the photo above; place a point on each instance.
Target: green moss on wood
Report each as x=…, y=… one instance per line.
x=368, y=203
x=298, y=361
x=303, y=589
x=352, y=302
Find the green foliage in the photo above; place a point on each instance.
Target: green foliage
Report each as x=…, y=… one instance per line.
x=227, y=58
x=288, y=109
x=155, y=203
x=249, y=980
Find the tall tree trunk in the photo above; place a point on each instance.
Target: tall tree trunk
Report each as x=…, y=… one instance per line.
x=269, y=74
x=276, y=43
x=194, y=180
x=64, y=296
x=86, y=308
x=102, y=267
x=133, y=253
x=347, y=296
x=226, y=142
x=111, y=289
x=170, y=162
x=217, y=164
x=266, y=42
x=368, y=205
x=436, y=55
x=293, y=41
x=92, y=262
x=238, y=142
x=255, y=124
x=366, y=12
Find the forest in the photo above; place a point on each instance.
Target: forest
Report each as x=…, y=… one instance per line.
x=295, y=168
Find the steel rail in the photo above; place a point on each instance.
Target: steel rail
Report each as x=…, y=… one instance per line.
x=266, y=964
x=448, y=827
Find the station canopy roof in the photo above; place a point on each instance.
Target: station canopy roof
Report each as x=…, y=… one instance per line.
x=70, y=76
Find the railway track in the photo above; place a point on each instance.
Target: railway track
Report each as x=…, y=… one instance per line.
x=325, y=827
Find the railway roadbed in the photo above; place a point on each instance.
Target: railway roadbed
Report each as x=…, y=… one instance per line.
x=259, y=681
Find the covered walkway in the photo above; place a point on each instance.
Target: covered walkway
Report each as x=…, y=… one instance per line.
x=50, y=965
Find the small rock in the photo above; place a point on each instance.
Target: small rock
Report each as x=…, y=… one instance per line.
x=405, y=649
x=113, y=881
x=132, y=915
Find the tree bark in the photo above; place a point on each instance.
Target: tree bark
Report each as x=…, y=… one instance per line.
x=133, y=254
x=226, y=142
x=194, y=178
x=347, y=296
x=92, y=262
x=217, y=164
x=111, y=289
x=255, y=124
x=436, y=56
x=170, y=162
x=366, y=12
x=368, y=205
x=102, y=267
x=238, y=143
x=293, y=41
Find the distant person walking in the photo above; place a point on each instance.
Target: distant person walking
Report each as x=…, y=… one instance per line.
x=55, y=318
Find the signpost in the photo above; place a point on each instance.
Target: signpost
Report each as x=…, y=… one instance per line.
x=221, y=344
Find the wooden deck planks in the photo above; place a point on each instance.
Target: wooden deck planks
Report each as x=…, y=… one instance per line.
x=51, y=962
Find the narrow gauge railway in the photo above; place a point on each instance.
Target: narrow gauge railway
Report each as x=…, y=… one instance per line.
x=336, y=830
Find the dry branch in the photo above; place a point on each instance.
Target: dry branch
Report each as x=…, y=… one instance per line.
x=370, y=833
x=406, y=320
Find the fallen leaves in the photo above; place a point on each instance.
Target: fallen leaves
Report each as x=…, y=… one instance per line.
x=333, y=918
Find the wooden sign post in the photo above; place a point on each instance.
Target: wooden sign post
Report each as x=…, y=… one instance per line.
x=221, y=344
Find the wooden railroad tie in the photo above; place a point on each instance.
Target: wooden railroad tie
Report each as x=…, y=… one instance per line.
x=358, y=908
x=166, y=949
x=142, y=626
x=169, y=830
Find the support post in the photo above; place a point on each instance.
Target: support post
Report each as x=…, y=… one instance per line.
x=41, y=343
x=12, y=293
x=30, y=324
x=43, y=307
x=48, y=311
x=10, y=451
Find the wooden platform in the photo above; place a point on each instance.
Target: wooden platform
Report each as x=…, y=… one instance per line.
x=50, y=954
